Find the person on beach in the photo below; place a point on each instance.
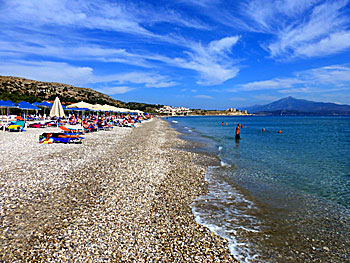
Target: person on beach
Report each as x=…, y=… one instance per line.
x=238, y=132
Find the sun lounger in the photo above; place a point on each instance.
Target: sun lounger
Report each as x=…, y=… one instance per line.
x=75, y=131
x=49, y=138
x=37, y=125
x=16, y=126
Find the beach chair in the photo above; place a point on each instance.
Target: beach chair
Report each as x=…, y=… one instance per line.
x=72, y=131
x=56, y=137
x=16, y=126
x=37, y=125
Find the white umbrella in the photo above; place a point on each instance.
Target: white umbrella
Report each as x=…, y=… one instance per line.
x=57, y=109
x=81, y=104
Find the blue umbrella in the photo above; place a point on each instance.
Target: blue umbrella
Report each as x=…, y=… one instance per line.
x=7, y=104
x=23, y=105
x=43, y=104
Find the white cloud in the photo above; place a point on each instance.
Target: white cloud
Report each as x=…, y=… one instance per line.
x=223, y=45
x=277, y=83
x=105, y=15
x=297, y=90
x=301, y=28
x=269, y=15
x=331, y=44
x=203, y=97
x=326, y=21
x=47, y=71
x=212, y=62
x=264, y=97
x=150, y=80
x=238, y=99
x=115, y=90
x=313, y=80
x=75, y=75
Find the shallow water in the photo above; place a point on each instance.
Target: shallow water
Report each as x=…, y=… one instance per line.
x=277, y=197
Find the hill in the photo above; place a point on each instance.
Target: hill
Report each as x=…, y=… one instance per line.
x=293, y=106
x=17, y=89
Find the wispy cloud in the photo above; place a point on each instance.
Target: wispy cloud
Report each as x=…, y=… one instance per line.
x=66, y=73
x=47, y=71
x=300, y=28
x=212, y=61
x=203, y=97
x=149, y=80
x=128, y=17
x=115, y=90
x=331, y=44
x=314, y=80
x=266, y=98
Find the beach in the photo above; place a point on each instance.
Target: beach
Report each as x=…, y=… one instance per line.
x=120, y=196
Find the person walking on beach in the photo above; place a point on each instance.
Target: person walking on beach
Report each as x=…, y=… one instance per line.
x=238, y=132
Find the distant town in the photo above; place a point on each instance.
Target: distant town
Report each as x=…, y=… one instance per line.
x=183, y=111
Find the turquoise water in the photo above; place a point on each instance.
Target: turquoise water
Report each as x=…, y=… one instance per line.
x=277, y=196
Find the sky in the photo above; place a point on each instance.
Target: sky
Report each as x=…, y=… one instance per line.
x=209, y=54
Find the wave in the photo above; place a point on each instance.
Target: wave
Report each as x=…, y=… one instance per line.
x=225, y=211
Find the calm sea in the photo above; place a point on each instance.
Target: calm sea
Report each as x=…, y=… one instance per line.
x=277, y=197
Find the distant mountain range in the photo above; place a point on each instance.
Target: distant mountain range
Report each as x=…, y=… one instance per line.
x=293, y=106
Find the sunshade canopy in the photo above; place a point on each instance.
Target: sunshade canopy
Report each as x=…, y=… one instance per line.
x=23, y=105
x=81, y=104
x=77, y=109
x=43, y=104
x=7, y=104
x=57, y=109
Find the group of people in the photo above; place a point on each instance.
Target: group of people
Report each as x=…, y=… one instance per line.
x=238, y=130
x=94, y=123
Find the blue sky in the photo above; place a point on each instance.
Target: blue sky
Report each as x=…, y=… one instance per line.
x=210, y=54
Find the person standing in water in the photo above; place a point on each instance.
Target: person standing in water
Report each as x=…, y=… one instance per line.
x=238, y=132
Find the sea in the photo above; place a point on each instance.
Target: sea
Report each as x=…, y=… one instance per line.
x=276, y=197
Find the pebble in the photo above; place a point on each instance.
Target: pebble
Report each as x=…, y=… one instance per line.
x=121, y=196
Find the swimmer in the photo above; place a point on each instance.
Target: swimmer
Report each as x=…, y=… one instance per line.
x=238, y=132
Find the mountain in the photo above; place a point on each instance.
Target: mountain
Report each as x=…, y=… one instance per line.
x=293, y=106
x=17, y=89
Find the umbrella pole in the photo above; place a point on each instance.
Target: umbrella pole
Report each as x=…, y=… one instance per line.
x=2, y=120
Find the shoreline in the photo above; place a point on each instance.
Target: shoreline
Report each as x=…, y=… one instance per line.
x=122, y=195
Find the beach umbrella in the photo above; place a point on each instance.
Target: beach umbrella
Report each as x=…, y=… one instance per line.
x=138, y=111
x=124, y=110
x=57, y=109
x=43, y=105
x=23, y=105
x=6, y=104
x=81, y=104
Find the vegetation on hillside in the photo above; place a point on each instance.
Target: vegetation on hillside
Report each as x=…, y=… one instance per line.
x=18, y=89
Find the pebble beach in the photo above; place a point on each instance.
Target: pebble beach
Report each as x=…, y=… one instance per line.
x=120, y=196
